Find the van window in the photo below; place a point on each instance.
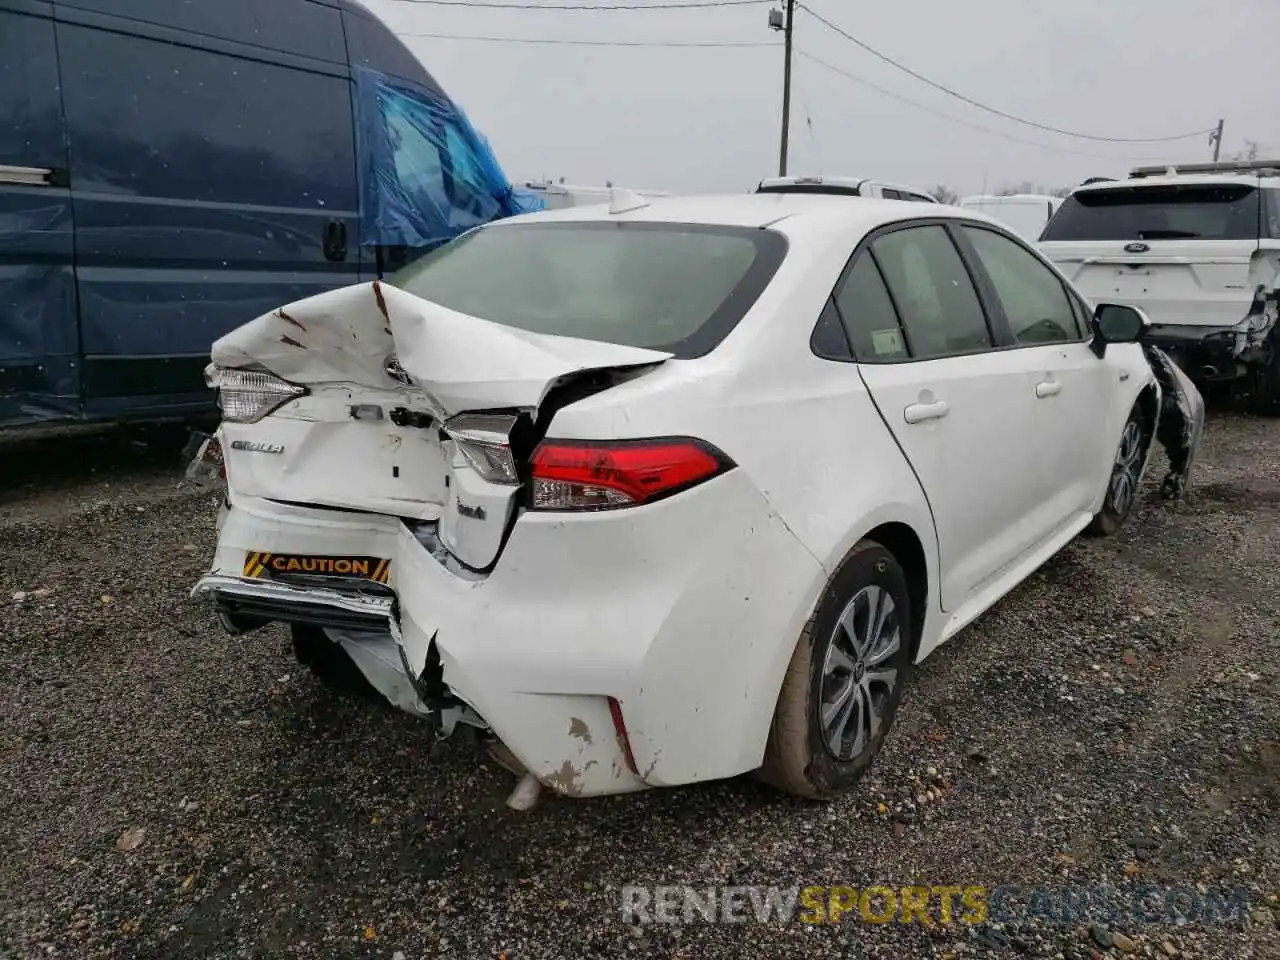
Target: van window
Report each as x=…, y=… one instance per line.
x=1163, y=212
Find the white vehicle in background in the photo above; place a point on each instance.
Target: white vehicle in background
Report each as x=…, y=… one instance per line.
x=1026, y=213
x=844, y=186
x=1196, y=246
x=669, y=491
x=558, y=196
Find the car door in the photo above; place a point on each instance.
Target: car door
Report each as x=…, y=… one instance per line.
x=39, y=339
x=960, y=409
x=1073, y=388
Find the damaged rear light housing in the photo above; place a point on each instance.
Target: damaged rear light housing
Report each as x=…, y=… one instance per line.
x=484, y=439
x=606, y=475
x=246, y=396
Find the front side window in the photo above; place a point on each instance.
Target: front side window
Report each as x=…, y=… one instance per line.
x=936, y=300
x=1033, y=298
x=1164, y=212
x=674, y=287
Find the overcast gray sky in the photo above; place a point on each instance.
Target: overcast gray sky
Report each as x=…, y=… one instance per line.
x=707, y=119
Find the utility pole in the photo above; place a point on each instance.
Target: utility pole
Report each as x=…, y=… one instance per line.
x=1216, y=139
x=778, y=20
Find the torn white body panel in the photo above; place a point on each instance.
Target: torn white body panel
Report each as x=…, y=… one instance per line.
x=681, y=625
x=458, y=362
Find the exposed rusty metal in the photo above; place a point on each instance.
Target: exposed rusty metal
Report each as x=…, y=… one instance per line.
x=288, y=319
x=382, y=303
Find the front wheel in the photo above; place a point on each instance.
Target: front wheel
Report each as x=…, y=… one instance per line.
x=1126, y=475
x=845, y=681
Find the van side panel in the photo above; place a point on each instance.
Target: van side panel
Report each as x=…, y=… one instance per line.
x=39, y=373
x=213, y=179
x=371, y=44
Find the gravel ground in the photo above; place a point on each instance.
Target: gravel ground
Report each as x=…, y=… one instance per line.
x=173, y=792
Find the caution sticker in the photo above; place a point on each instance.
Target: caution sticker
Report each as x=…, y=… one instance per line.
x=284, y=564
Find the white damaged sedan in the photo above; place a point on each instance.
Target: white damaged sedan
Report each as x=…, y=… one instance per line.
x=664, y=491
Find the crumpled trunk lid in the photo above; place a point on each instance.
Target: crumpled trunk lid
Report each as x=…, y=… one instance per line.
x=385, y=371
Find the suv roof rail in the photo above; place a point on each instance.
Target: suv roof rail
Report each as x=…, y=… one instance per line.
x=1260, y=167
x=1085, y=183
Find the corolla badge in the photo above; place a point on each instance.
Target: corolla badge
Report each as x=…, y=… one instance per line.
x=1136, y=247
x=257, y=446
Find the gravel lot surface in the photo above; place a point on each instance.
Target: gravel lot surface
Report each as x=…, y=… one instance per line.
x=172, y=792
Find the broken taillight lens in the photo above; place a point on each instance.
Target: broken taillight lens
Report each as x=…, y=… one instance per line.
x=604, y=475
x=485, y=441
x=246, y=396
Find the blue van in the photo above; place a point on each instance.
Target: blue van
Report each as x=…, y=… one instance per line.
x=170, y=169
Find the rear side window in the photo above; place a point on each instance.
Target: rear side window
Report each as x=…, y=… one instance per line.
x=674, y=287
x=868, y=315
x=1165, y=212
x=931, y=287
x=891, y=194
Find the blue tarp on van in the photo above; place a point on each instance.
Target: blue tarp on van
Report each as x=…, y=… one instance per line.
x=426, y=175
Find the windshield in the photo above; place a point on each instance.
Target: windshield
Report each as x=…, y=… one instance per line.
x=1167, y=212
x=679, y=288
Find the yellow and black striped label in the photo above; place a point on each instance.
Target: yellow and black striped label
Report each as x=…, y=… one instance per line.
x=271, y=564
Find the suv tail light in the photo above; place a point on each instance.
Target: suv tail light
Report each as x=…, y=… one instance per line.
x=604, y=475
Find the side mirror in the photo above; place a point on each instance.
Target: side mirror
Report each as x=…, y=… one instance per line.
x=1117, y=323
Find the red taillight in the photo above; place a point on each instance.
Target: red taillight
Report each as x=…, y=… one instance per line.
x=599, y=475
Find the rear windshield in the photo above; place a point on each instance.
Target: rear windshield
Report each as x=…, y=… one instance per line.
x=679, y=288
x=1171, y=212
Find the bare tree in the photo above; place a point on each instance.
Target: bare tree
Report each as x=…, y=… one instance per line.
x=1250, y=151
x=944, y=194
x=1026, y=186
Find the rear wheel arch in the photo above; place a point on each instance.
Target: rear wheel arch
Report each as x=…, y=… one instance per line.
x=902, y=541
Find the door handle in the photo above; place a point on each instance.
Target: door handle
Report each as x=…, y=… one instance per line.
x=1048, y=388
x=35, y=176
x=919, y=412
x=335, y=241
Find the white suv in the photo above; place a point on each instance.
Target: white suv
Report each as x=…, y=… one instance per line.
x=844, y=186
x=1197, y=247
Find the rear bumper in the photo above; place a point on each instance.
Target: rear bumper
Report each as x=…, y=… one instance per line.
x=1220, y=352
x=685, y=612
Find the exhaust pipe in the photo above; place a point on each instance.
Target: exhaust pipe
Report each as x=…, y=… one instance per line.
x=1209, y=370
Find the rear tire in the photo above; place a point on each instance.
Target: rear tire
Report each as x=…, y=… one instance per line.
x=330, y=664
x=845, y=680
x=1124, y=483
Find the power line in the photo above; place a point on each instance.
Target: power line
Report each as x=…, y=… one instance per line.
x=982, y=106
x=597, y=43
x=946, y=116
x=668, y=5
